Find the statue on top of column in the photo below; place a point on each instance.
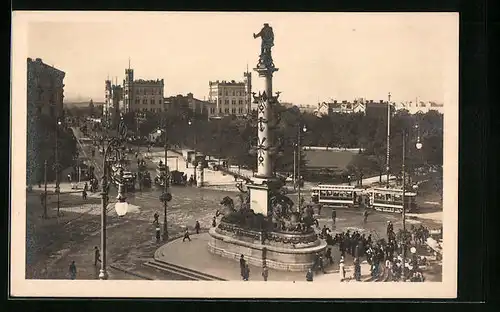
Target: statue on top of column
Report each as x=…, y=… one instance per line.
x=267, y=36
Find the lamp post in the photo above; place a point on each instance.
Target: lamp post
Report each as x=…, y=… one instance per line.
x=388, y=136
x=45, y=189
x=304, y=129
x=191, y=123
x=418, y=145
x=58, y=124
x=121, y=206
x=165, y=197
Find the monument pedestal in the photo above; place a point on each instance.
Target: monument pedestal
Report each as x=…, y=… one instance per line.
x=260, y=192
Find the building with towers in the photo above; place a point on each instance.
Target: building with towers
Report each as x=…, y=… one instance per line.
x=135, y=95
x=231, y=97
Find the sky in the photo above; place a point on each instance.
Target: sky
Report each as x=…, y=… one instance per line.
x=320, y=56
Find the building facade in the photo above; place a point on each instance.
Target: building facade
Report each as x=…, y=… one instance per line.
x=344, y=107
x=140, y=95
x=231, y=97
x=45, y=89
x=189, y=102
x=421, y=106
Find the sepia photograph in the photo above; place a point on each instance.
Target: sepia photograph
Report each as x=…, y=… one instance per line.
x=234, y=155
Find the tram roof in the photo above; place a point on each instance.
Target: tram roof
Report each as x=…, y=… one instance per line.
x=392, y=191
x=336, y=187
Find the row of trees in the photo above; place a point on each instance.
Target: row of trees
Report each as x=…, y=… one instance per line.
x=232, y=137
x=41, y=147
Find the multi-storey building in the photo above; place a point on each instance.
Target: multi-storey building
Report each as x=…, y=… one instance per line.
x=231, y=97
x=113, y=102
x=45, y=89
x=189, y=102
x=421, y=107
x=142, y=95
x=344, y=107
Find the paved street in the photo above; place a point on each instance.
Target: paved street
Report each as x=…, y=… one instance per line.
x=53, y=243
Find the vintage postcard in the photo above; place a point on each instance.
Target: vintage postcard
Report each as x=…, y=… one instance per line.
x=234, y=155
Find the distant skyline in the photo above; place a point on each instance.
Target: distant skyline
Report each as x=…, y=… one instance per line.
x=320, y=56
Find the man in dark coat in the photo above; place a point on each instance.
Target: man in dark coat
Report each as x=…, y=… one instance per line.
x=242, y=265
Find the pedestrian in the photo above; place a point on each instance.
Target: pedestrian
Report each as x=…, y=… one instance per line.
x=242, y=265
x=265, y=272
x=357, y=269
x=156, y=216
x=334, y=216
x=97, y=255
x=214, y=222
x=246, y=272
x=186, y=235
x=342, y=270
x=328, y=255
x=309, y=275
x=365, y=215
x=72, y=270
x=321, y=265
x=84, y=194
x=69, y=177
x=197, y=227
x=158, y=232
x=85, y=187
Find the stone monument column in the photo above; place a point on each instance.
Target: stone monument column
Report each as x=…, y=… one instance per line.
x=265, y=181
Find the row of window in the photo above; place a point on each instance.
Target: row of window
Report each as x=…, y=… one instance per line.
x=226, y=93
x=145, y=101
x=226, y=110
x=233, y=101
x=147, y=91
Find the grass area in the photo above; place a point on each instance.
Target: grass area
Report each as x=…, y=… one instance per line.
x=337, y=160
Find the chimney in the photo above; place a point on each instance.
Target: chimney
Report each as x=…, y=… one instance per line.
x=381, y=101
x=39, y=60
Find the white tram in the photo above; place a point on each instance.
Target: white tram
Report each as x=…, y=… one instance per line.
x=391, y=200
x=336, y=195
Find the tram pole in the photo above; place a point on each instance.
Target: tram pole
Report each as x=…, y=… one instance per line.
x=388, y=136
x=404, y=201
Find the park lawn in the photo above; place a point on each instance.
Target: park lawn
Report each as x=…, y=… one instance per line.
x=335, y=160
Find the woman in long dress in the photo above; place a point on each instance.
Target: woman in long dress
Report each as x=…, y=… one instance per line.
x=342, y=270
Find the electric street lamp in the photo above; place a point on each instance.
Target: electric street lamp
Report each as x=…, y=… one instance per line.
x=299, y=149
x=121, y=205
x=191, y=123
x=165, y=197
x=56, y=165
x=418, y=145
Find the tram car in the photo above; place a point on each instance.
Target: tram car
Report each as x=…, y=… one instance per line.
x=346, y=196
x=391, y=200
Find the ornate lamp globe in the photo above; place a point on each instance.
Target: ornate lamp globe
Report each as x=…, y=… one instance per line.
x=121, y=207
x=304, y=129
x=158, y=131
x=418, y=145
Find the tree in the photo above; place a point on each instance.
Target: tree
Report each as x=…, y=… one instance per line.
x=361, y=165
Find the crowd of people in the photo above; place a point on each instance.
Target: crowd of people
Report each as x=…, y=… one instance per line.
x=378, y=252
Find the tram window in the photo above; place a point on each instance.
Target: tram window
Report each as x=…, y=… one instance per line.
x=398, y=198
x=322, y=193
x=388, y=197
